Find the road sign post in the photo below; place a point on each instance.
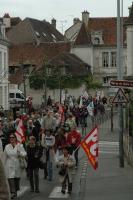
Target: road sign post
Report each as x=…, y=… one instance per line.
x=121, y=83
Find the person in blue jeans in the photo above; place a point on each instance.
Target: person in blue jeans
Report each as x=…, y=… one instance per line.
x=48, y=141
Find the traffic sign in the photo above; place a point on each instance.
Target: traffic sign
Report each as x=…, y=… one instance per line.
x=120, y=97
x=121, y=83
x=111, y=99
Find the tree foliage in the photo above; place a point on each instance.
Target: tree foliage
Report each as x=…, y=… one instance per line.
x=55, y=80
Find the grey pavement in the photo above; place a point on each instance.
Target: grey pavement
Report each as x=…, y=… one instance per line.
x=108, y=182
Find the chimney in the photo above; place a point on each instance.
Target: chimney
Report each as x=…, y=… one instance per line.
x=85, y=17
x=53, y=22
x=76, y=20
x=7, y=20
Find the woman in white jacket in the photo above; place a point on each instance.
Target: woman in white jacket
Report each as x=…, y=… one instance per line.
x=13, y=151
x=66, y=163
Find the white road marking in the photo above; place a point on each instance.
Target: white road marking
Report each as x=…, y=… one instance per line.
x=108, y=152
x=22, y=190
x=108, y=143
x=56, y=193
x=106, y=147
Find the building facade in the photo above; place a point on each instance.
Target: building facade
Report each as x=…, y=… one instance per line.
x=4, y=100
x=99, y=49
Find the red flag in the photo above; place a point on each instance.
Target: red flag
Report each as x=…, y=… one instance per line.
x=20, y=132
x=90, y=146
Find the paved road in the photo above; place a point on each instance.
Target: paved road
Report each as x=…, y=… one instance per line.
x=108, y=182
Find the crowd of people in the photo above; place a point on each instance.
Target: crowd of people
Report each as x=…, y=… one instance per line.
x=48, y=137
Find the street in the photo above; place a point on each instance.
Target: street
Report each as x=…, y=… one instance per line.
x=108, y=182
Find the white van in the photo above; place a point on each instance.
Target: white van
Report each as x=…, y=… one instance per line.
x=16, y=98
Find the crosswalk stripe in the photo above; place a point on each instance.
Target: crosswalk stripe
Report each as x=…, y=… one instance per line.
x=108, y=143
x=56, y=193
x=22, y=190
x=108, y=152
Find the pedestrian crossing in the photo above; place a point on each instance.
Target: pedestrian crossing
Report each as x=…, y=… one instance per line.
x=107, y=147
x=56, y=194
x=22, y=191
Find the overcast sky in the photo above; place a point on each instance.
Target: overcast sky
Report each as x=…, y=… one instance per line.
x=62, y=10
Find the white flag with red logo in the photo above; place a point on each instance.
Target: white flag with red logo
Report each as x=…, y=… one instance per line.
x=20, y=132
x=90, y=146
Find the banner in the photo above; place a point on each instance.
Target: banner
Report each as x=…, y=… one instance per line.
x=81, y=102
x=20, y=132
x=90, y=108
x=90, y=146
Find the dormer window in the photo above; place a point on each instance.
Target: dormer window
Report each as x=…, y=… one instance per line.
x=37, y=33
x=96, y=37
x=96, y=40
x=44, y=34
x=54, y=38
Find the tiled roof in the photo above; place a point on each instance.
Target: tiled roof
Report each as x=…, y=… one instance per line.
x=107, y=25
x=34, y=31
x=34, y=54
x=82, y=36
x=73, y=64
x=15, y=21
x=16, y=78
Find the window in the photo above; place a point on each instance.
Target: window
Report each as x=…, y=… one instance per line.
x=54, y=38
x=11, y=70
x=48, y=71
x=105, y=59
x=19, y=96
x=113, y=59
x=105, y=79
x=96, y=40
x=37, y=34
x=0, y=60
x=44, y=34
x=11, y=95
x=5, y=61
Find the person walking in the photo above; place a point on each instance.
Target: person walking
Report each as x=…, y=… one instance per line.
x=48, y=121
x=34, y=153
x=4, y=189
x=73, y=140
x=48, y=142
x=66, y=163
x=12, y=154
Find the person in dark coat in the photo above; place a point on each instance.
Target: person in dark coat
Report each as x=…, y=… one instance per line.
x=32, y=130
x=34, y=153
x=49, y=101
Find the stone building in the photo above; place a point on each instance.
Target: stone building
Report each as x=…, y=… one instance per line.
x=94, y=40
x=4, y=43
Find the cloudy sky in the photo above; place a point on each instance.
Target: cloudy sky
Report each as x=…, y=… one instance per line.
x=62, y=10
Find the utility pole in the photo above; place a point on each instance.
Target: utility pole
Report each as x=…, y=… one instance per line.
x=24, y=85
x=44, y=78
x=120, y=77
x=60, y=88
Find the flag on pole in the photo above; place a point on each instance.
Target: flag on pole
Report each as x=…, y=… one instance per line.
x=20, y=132
x=90, y=108
x=90, y=146
x=81, y=102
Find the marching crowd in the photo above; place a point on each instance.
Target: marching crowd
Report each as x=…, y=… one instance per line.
x=42, y=139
